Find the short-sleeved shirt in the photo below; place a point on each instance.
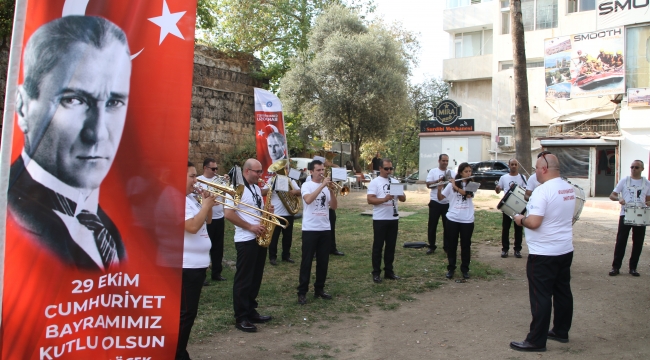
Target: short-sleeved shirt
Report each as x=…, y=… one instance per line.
x=315, y=216
x=507, y=180
x=434, y=175
x=217, y=209
x=555, y=201
x=384, y=211
x=636, y=192
x=460, y=210
x=532, y=183
x=252, y=195
x=278, y=205
x=196, y=247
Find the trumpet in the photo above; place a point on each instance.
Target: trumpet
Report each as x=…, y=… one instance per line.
x=221, y=191
x=447, y=182
x=341, y=189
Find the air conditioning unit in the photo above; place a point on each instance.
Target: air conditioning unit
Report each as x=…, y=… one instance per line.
x=505, y=141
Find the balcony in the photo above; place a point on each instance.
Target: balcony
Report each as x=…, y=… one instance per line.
x=469, y=18
x=467, y=68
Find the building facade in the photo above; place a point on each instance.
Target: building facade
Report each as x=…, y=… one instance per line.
x=596, y=133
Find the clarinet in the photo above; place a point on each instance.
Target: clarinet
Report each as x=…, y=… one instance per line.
x=395, y=214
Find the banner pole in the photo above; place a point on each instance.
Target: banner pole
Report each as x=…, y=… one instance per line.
x=16, y=50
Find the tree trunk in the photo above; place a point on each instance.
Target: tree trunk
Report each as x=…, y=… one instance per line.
x=522, y=110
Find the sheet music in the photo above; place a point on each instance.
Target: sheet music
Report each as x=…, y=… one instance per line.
x=396, y=189
x=471, y=186
x=294, y=174
x=339, y=174
x=281, y=183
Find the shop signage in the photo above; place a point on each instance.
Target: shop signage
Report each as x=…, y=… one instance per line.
x=447, y=112
x=435, y=127
x=612, y=13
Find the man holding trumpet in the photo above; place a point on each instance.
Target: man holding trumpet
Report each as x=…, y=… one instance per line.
x=250, y=256
x=318, y=198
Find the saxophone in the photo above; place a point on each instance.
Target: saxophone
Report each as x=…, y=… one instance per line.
x=264, y=240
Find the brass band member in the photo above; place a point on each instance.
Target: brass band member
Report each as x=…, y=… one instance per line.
x=287, y=234
x=630, y=190
x=217, y=226
x=384, y=222
x=549, y=235
x=196, y=258
x=317, y=198
x=505, y=182
x=437, y=208
x=250, y=256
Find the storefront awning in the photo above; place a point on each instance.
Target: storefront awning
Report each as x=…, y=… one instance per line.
x=579, y=142
x=585, y=115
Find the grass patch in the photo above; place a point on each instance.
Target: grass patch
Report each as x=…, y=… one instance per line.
x=349, y=277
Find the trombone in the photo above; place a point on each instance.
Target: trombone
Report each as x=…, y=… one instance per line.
x=341, y=189
x=222, y=190
x=445, y=182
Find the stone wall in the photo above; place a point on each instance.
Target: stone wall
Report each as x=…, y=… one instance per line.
x=223, y=109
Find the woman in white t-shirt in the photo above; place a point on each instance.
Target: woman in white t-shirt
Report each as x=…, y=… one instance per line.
x=460, y=220
x=196, y=257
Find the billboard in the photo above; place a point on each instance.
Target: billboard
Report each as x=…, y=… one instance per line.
x=270, y=139
x=611, y=13
x=583, y=65
x=637, y=97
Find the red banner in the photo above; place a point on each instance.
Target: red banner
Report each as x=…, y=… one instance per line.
x=269, y=128
x=96, y=197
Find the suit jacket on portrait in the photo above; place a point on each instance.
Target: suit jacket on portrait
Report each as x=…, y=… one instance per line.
x=31, y=206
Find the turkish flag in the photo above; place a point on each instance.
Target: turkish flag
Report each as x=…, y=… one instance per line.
x=107, y=112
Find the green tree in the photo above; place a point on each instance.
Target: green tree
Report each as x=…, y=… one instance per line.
x=352, y=80
x=6, y=21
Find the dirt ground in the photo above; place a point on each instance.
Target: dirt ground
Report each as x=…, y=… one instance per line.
x=476, y=319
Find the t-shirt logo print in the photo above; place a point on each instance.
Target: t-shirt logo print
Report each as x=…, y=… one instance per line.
x=385, y=189
x=321, y=201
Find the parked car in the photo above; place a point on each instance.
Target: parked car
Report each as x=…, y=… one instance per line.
x=487, y=172
x=412, y=179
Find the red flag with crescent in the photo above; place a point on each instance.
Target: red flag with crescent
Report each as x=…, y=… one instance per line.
x=270, y=137
x=97, y=184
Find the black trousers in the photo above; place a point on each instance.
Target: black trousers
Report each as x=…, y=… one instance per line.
x=333, y=248
x=215, y=232
x=248, y=278
x=314, y=242
x=549, y=279
x=505, y=234
x=385, y=232
x=638, y=234
x=436, y=211
x=454, y=230
x=192, y=284
x=287, y=239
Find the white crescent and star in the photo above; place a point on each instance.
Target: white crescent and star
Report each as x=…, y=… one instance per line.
x=167, y=21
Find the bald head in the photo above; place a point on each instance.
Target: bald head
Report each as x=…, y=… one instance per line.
x=252, y=171
x=547, y=167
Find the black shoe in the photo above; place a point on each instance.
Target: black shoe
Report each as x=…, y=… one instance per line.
x=218, y=278
x=323, y=295
x=553, y=336
x=273, y=261
x=526, y=346
x=431, y=250
x=449, y=274
x=518, y=254
x=391, y=277
x=289, y=260
x=302, y=299
x=465, y=275
x=338, y=253
x=206, y=282
x=246, y=326
x=634, y=272
x=376, y=279
x=259, y=319
x=504, y=254
x=614, y=272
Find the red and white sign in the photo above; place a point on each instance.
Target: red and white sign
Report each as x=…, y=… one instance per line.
x=96, y=196
x=270, y=137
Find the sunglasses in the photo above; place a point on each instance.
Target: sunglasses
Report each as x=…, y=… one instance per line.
x=259, y=172
x=213, y=168
x=635, y=167
x=388, y=168
x=544, y=157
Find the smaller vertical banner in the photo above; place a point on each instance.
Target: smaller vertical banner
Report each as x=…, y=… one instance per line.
x=270, y=138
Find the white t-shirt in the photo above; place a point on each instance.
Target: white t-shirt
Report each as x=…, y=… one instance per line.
x=532, y=183
x=434, y=175
x=634, y=192
x=278, y=206
x=384, y=211
x=217, y=209
x=249, y=198
x=506, y=180
x=196, y=247
x=460, y=210
x=315, y=216
x=555, y=201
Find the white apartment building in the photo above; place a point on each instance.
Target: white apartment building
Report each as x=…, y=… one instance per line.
x=596, y=137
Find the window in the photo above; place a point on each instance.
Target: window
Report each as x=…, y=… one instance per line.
x=637, y=57
x=459, y=3
x=580, y=5
x=473, y=43
x=500, y=166
x=536, y=15
x=530, y=63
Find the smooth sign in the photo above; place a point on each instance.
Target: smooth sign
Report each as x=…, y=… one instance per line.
x=612, y=13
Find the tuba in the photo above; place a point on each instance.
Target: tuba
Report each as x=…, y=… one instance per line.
x=291, y=202
x=264, y=240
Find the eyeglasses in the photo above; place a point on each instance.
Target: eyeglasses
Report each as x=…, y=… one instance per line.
x=544, y=156
x=388, y=168
x=543, y=153
x=213, y=168
x=259, y=172
x=635, y=167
